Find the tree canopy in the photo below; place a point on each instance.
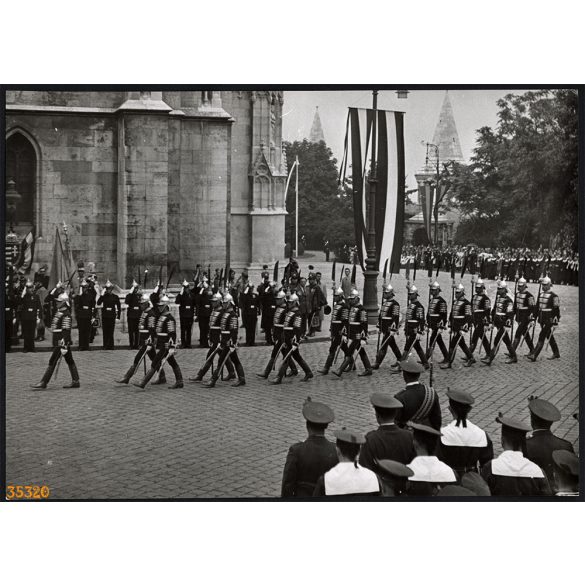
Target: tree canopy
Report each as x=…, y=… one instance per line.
x=520, y=188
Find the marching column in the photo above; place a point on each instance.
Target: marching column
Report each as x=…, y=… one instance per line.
x=437, y=321
x=549, y=315
x=502, y=315
x=460, y=319
x=481, y=310
x=388, y=322
x=338, y=329
x=524, y=305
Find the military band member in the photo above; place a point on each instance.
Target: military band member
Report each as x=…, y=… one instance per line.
x=204, y=313
x=541, y=444
x=228, y=342
x=338, y=329
x=502, y=315
x=306, y=462
x=549, y=314
x=133, y=313
x=111, y=310
x=30, y=311
x=145, y=340
x=388, y=323
x=61, y=327
x=292, y=333
x=481, y=307
x=388, y=441
x=166, y=342
x=250, y=303
x=566, y=473
x=215, y=341
x=511, y=473
x=463, y=445
x=348, y=477
x=437, y=322
x=460, y=320
x=430, y=474
x=357, y=336
x=186, y=302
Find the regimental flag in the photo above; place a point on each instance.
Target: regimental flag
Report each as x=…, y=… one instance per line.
x=27, y=251
x=427, y=195
x=62, y=266
x=390, y=173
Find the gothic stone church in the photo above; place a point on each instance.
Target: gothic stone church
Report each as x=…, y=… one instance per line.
x=150, y=178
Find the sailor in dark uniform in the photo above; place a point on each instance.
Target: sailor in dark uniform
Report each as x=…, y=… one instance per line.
x=541, y=444
x=566, y=472
x=463, y=445
x=388, y=441
x=306, y=462
x=430, y=474
x=348, y=478
x=420, y=402
x=512, y=474
x=549, y=314
x=393, y=477
x=388, y=322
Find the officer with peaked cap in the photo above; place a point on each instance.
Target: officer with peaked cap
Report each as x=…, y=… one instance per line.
x=566, y=473
x=388, y=321
x=548, y=310
x=511, y=473
x=393, y=477
x=111, y=310
x=61, y=327
x=348, y=477
x=388, y=441
x=541, y=444
x=420, y=401
x=186, y=301
x=307, y=461
x=463, y=445
x=429, y=472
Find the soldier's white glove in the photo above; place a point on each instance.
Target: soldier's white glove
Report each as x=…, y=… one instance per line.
x=63, y=350
x=172, y=351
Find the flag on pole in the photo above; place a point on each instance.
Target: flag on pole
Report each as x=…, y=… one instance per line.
x=27, y=250
x=427, y=193
x=62, y=265
x=390, y=175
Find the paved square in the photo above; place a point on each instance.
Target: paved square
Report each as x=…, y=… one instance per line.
x=108, y=441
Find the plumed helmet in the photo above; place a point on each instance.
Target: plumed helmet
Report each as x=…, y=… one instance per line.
x=460, y=288
x=502, y=284
x=293, y=298
x=134, y=285
x=145, y=298
x=164, y=299
x=388, y=288
x=84, y=283
x=108, y=284
x=354, y=294
x=479, y=283
x=338, y=292
x=29, y=284
x=204, y=286
x=63, y=298
x=546, y=281
x=522, y=281
x=227, y=298
x=281, y=294
x=185, y=283
x=217, y=297
x=413, y=290
x=435, y=286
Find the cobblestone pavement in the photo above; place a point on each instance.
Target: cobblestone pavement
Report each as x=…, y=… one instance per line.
x=106, y=440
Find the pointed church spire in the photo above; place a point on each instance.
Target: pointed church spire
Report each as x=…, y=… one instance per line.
x=316, y=134
x=446, y=136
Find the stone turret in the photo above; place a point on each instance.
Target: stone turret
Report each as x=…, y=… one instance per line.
x=316, y=134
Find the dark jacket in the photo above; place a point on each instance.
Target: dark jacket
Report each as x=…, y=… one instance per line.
x=412, y=397
x=305, y=463
x=387, y=442
x=540, y=447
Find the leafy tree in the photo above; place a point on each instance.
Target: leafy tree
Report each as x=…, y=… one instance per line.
x=520, y=188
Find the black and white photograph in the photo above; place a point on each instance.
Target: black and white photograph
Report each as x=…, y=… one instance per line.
x=287, y=293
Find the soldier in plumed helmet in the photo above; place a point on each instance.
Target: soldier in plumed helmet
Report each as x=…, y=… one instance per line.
x=437, y=321
x=524, y=308
x=61, y=327
x=502, y=315
x=460, y=320
x=549, y=314
x=111, y=310
x=481, y=311
x=337, y=329
x=186, y=301
x=388, y=322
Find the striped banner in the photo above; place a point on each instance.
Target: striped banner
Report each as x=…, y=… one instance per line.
x=427, y=192
x=27, y=250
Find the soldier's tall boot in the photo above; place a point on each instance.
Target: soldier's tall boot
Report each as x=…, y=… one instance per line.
x=74, y=377
x=328, y=362
x=231, y=371
x=142, y=384
x=267, y=369
x=280, y=374
x=162, y=378
x=213, y=380
x=344, y=364
x=178, y=377
x=241, y=376
x=127, y=375
x=306, y=369
x=45, y=379
x=367, y=365
x=534, y=355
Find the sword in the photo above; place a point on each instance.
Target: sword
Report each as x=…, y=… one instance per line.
x=58, y=364
x=221, y=365
x=211, y=356
x=552, y=330
x=165, y=359
x=533, y=325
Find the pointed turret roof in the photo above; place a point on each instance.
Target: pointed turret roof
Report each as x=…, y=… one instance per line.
x=316, y=134
x=446, y=136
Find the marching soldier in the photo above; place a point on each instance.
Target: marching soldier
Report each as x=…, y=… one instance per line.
x=204, y=313
x=61, y=327
x=306, y=462
x=166, y=341
x=481, y=309
x=357, y=335
x=30, y=310
x=512, y=474
x=50, y=305
x=133, y=313
x=388, y=323
x=414, y=324
x=84, y=310
x=524, y=307
x=228, y=342
x=437, y=322
x=337, y=329
x=250, y=310
x=186, y=303
x=292, y=333
x=215, y=341
x=549, y=315
x=148, y=315
x=460, y=320
x=502, y=315
x=111, y=310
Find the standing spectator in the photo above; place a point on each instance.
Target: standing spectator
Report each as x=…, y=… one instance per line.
x=323, y=288
x=30, y=312
x=42, y=292
x=301, y=292
x=250, y=310
x=111, y=310
x=346, y=283
x=85, y=310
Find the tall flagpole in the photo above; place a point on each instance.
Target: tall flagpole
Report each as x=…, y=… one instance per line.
x=297, y=207
x=371, y=274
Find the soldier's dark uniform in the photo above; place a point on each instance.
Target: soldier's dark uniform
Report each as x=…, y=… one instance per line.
x=481, y=311
x=204, y=313
x=388, y=320
x=61, y=328
x=133, y=313
x=111, y=310
x=414, y=324
x=84, y=311
x=250, y=303
x=186, y=301
x=548, y=311
x=436, y=322
x=524, y=309
x=337, y=329
x=267, y=294
x=502, y=315
x=30, y=310
x=460, y=319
